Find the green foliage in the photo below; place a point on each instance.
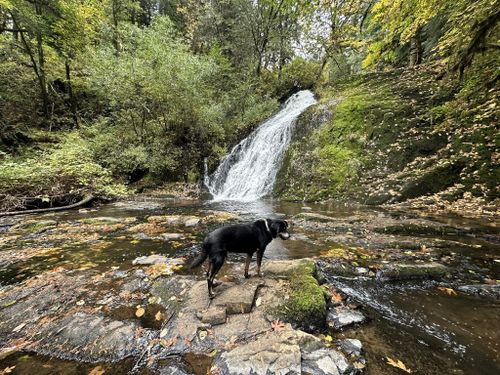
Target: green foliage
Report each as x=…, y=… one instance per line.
x=67, y=169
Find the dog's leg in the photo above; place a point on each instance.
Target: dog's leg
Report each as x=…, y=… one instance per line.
x=209, y=268
x=218, y=261
x=259, y=261
x=247, y=264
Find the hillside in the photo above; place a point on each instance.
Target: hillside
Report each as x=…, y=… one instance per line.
x=406, y=136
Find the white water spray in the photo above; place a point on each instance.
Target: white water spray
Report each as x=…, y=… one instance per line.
x=248, y=172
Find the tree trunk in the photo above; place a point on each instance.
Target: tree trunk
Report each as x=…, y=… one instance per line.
x=72, y=100
x=415, y=49
x=42, y=78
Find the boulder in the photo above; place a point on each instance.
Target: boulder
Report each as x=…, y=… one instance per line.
x=340, y=317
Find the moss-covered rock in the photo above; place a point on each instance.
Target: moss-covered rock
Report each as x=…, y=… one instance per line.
x=306, y=306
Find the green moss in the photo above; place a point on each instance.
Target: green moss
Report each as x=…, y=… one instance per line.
x=306, y=306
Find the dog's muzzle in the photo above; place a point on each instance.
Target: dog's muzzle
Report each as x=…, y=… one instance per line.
x=284, y=236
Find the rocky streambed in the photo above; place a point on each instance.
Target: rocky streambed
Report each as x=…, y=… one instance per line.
x=355, y=291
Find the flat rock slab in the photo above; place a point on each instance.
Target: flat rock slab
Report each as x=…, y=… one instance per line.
x=284, y=268
x=171, y=236
x=89, y=338
x=403, y=271
x=149, y=260
x=485, y=290
x=214, y=315
x=282, y=352
x=238, y=299
x=340, y=317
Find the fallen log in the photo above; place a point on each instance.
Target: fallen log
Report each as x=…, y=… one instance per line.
x=85, y=200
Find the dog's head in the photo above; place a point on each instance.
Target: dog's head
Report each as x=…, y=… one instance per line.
x=278, y=228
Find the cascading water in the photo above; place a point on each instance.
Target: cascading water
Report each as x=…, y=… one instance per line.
x=248, y=172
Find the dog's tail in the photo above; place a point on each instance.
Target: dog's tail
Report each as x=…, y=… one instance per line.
x=201, y=258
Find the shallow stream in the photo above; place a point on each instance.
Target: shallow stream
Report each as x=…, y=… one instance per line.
x=431, y=330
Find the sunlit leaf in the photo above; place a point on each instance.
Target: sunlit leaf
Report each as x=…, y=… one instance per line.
x=397, y=363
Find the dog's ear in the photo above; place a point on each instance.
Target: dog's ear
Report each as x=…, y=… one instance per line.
x=286, y=223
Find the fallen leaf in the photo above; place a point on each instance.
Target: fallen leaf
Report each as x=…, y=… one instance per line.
x=335, y=296
x=167, y=343
x=158, y=315
x=81, y=302
x=258, y=302
x=7, y=370
x=397, y=363
x=19, y=327
x=277, y=325
x=448, y=291
x=139, y=312
x=98, y=370
x=164, y=332
x=328, y=338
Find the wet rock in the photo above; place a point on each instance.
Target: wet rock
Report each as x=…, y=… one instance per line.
x=90, y=338
x=351, y=346
x=107, y=220
x=402, y=271
x=485, y=290
x=172, y=370
x=272, y=353
x=214, y=315
x=141, y=236
x=284, y=352
x=311, y=216
x=192, y=222
x=137, y=205
x=324, y=362
x=341, y=317
x=149, y=260
x=238, y=299
x=361, y=270
x=285, y=268
x=171, y=236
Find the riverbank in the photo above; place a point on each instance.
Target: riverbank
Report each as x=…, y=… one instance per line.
x=406, y=138
x=119, y=268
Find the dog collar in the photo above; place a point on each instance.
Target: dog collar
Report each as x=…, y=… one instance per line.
x=267, y=225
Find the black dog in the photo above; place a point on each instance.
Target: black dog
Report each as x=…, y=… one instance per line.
x=242, y=238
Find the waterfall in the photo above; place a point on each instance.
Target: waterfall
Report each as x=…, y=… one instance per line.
x=248, y=172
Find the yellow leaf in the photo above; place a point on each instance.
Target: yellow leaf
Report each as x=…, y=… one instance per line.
x=158, y=315
x=328, y=338
x=397, y=363
x=139, y=312
x=448, y=291
x=98, y=370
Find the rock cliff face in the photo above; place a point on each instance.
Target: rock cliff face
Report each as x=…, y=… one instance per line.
x=393, y=137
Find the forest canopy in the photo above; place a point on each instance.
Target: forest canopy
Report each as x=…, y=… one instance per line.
x=152, y=88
